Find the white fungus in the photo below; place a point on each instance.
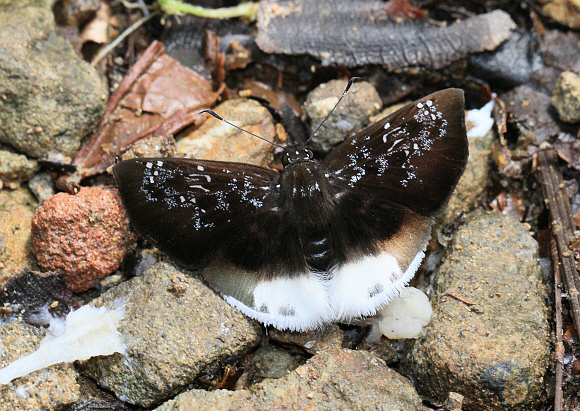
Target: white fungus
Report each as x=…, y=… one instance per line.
x=406, y=315
x=87, y=332
x=480, y=120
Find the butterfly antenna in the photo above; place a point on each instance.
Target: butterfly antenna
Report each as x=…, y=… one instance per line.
x=217, y=116
x=350, y=81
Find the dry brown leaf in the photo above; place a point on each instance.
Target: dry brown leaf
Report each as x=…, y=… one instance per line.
x=158, y=90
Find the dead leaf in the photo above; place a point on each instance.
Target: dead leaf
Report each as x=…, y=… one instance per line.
x=159, y=96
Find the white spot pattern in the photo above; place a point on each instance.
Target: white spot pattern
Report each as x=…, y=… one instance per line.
x=160, y=180
x=403, y=148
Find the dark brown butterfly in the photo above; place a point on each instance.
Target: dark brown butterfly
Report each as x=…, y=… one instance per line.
x=318, y=242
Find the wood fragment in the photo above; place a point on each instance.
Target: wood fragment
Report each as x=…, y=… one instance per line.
x=559, y=350
x=562, y=225
x=358, y=33
x=459, y=297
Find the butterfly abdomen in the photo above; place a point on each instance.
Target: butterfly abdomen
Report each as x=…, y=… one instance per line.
x=307, y=201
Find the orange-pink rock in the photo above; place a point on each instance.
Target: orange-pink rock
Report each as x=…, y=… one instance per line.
x=85, y=235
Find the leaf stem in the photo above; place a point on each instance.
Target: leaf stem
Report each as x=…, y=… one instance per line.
x=178, y=7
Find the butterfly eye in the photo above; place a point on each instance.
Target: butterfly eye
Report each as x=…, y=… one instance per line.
x=286, y=159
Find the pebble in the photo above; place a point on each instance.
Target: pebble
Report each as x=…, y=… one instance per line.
x=85, y=235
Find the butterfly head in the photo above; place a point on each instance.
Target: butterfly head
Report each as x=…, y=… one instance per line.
x=296, y=155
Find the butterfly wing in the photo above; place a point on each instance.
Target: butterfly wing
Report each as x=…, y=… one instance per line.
x=388, y=180
x=392, y=177
x=413, y=157
x=227, y=215
x=191, y=209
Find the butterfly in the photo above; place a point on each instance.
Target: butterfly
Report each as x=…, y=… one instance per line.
x=318, y=242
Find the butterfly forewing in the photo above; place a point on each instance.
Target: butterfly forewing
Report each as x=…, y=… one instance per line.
x=193, y=209
x=413, y=157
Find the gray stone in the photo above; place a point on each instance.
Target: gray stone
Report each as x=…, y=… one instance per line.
x=337, y=379
x=351, y=115
x=470, y=189
x=566, y=97
x=51, y=388
x=175, y=329
x=49, y=98
x=16, y=168
x=495, y=352
x=151, y=147
x=42, y=186
x=269, y=361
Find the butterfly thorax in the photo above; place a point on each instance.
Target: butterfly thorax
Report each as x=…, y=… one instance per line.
x=307, y=202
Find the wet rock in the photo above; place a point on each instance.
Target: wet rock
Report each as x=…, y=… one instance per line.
x=184, y=40
x=556, y=46
x=361, y=102
x=310, y=341
x=49, y=98
x=531, y=112
x=496, y=351
x=566, y=97
x=15, y=169
x=85, y=235
x=555, y=49
x=42, y=186
x=175, y=329
x=216, y=140
x=338, y=379
x=49, y=389
x=16, y=212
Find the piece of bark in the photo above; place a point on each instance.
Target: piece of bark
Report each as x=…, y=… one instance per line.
x=359, y=33
x=33, y=295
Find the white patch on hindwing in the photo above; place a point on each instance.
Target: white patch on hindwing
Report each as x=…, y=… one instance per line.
x=308, y=301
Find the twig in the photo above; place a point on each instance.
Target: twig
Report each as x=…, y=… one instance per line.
x=137, y=5
x=559, y=349
x=562, y=228
x=93, y=144
x=109, y=47
x=178, y=7
x=459, y=298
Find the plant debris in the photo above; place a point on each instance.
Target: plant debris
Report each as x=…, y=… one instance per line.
x=36, y=296
x=359, y=33
x=158, y=97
